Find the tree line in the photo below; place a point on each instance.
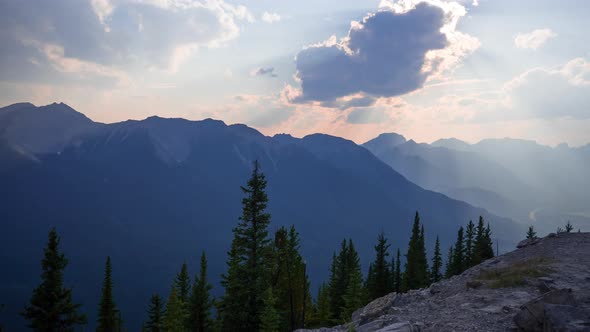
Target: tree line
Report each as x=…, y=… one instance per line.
x=266, y=284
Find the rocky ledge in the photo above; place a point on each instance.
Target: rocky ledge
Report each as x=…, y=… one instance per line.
x=544, y=285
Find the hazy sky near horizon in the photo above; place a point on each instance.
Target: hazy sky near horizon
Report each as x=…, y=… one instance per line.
x=427, y=69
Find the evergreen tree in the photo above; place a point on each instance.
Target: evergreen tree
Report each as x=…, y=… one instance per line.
x=436, y=273
x=51, y=307
x=174, y=317
x=323, y=307
x=291, y=287
x=469, y=243
x=379, y=276
x=200, y=303
x=108, y=315
x=531, y=234
x=155, y=314
x=398, y=273
x=424, y=270
x=269, y=319
x=247, y=277
x=183, y=284
x=489, y=245
x=339, y=281
x=458, y=260
x=416, y=270
x=568, y=227
x=353, y=296
x=480, y=243
x=449, y=265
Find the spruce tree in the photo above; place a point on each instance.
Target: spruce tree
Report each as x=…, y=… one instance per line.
x=480, y=243
x=449, y=264
x=183, y=284
x=568, y=227
x=489, y=244
x=108, y=315
x=469, y=243
x=323, y=317
x=353, y=296
x=247, y=277
x=398, y=273
x=531, y=234
x=416, y=270
x=379, y=274
x=200, y=303
x=174, y=318
x=458, y=262
x=339, y=281
x=155, y=314
x=51, y=307
x=269, y=319
x=436, y=273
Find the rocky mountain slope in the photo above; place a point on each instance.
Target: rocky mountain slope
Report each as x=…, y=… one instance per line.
x=542, y=286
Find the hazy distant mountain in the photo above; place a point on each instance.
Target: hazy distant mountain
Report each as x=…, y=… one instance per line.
x=44, y=129
x=517, y=178
x=461, y=174
x=156, y=192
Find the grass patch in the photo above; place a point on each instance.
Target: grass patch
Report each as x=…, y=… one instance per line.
x=515, y=275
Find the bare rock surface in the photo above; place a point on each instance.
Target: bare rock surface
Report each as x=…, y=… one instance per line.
x=540, y=287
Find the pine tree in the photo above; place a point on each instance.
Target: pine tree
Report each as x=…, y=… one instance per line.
x=436, y=273
x=353, y=296
x=458, y=261
x=108, y=315
x=416, y=270
x=469, y=244
x=200, y=303
x=174, y=317
x=269, y=318
x=531, y=234
x=155, y=314
x=247, y=276
x=449, y=265
x=51, y=307
x=378, y=278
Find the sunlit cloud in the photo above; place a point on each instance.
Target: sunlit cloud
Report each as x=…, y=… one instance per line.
x=534, y=39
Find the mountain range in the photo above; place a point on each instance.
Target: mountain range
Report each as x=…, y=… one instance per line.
x=155, y=193
x=528, y=182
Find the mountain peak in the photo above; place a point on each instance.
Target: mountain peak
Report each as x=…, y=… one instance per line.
x=385, y=140
x=452, y=143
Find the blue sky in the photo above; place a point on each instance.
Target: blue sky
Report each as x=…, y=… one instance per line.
x=424, y=68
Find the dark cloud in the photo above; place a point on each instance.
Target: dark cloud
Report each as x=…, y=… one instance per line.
x=382, y=58
x=346, y=104
x=264, y=71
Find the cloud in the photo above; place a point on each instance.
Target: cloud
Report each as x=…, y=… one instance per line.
x=271, y=17
x=263, y=71
x=125, y=35
x=346, y=103
x=367, y=115
x=534, y=39
x=558, y=92
x=389, y=53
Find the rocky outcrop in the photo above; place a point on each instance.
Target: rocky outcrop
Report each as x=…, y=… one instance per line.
x=542, y=286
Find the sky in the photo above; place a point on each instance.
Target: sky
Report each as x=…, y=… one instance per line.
x=427, y=69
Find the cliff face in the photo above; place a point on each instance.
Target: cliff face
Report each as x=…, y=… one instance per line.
x=542, y=286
